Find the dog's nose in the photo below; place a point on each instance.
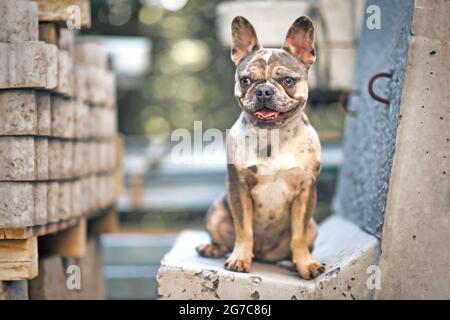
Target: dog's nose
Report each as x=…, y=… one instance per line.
x=264, y=92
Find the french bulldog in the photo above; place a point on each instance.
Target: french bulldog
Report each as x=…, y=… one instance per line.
x=267, y=212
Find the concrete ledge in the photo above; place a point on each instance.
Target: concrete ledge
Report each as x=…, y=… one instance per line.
x=346, y=249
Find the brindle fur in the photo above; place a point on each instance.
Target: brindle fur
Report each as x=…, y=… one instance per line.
x=267, y=211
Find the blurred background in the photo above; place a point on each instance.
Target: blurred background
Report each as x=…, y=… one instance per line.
x=172, y=63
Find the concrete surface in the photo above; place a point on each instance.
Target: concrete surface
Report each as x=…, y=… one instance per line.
x=369, y=139
x=62, y=117
x=345, y=248
x=23, y=158
x=415, y=260
x=18, y=21
x=44, y=113
x=32, y=64
x=66, y=79
x=19, y=112
x=23, y=203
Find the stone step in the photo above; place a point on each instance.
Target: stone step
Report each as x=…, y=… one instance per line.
x=345, y=248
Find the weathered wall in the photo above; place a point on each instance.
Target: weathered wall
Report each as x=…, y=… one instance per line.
x=370, y=135
x=415, y=255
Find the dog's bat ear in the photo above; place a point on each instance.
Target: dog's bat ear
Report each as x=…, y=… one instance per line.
x=300, y=40
x=244, y=39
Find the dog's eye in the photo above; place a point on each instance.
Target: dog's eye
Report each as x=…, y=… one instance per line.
x=288, y=82
x=245, y=81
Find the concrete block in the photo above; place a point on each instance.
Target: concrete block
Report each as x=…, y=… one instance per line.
x=81, y=78
x=62, y=117
x=415, y=256
x=58, y=11
x=91, y=53
x=82, y=119
x=67, y=159
x=430, y=19
x=19, y=112
x=93, y=155
x=110, y=87
x=65, y=74
x=53, y=201
x=106, y=187
x=344, y=247
x=23, y=158
x=77, y=199
x=65, y=200
x=42, y=165
x=44, y=113
x=55, y=159
x=102, y=154
x=30, y=65
x=18, y=21
x=87, y=195
x=24, y=112
x=100, y=86
x=95, y=90
x=92, y=193
x=67, y=40
x=78, y=158
x=108, y=125
x=84, y=156
x=23, y=204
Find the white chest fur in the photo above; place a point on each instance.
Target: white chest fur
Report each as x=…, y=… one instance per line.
x=293, y=154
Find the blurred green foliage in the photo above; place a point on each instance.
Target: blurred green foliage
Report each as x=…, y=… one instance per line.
x=191, y=76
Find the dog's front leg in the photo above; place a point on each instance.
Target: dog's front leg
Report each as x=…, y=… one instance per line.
x=242, y=211
x=303, y=235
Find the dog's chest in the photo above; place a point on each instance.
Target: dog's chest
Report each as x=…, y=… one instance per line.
x=276, y=183
x=274, y=190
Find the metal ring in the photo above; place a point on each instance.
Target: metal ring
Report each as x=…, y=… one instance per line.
x=343, y=100
x=370, y=86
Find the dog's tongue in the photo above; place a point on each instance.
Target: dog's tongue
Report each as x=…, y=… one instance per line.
x=265, y=113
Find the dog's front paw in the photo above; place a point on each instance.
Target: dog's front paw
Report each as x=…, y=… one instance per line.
x=211, y=250
x=238, y=264
x=309, y=268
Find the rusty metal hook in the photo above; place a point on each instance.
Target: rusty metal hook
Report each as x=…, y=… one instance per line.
x=370, y=86
x=344, y=98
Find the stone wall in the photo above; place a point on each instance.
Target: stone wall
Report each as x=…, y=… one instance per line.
x=58, y=130
x=59, y=146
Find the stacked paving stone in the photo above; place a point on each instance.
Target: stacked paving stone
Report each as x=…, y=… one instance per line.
x=58, y=130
